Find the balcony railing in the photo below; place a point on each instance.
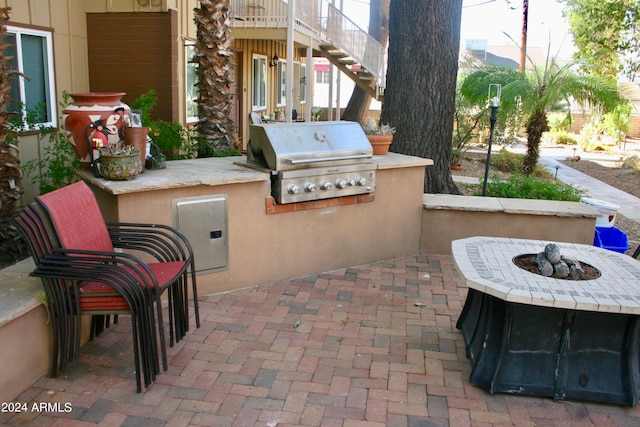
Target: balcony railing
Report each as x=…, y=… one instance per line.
x=321, y=21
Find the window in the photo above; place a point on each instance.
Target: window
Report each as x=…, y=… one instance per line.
x=322, y=77
x=259, y=95
x=191, y=89
x=281, y=70
x=32, y=55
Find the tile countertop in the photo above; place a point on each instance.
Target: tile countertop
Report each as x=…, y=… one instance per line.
x=486, y=265
x=216, y=171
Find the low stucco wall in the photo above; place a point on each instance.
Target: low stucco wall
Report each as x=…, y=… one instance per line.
x=449, y=217
x=25, y=334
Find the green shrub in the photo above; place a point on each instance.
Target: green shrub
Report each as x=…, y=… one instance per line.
x=56, y=168
x=564, y=137
x=176, y=141
x=559, y=122
x=509, y=162
x=529, y=187
x=145, y=103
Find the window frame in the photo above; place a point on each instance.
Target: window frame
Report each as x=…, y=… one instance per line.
x=49, y=73
x=190, y=89
x=323, y=77
x=281, y=79
x=259, y=63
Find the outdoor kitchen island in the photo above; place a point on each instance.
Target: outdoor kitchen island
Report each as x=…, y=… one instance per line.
x=266, y=244
x=535, y=335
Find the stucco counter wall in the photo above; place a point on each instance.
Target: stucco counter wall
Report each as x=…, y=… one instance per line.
x=265, y=246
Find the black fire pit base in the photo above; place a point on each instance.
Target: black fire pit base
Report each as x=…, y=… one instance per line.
x=545, y=351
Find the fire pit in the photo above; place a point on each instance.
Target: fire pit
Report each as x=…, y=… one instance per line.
x=551, y=263
x=526, y=333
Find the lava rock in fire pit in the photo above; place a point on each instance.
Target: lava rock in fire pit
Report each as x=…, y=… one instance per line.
x=567, y=268
x=546, y=268
x=552, y=262
x=576, y=271
x=552, y=252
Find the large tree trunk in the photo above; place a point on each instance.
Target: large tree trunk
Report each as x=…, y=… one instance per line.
x=214, y=72
x=424, y=39
x=536, y=126
x=360, y=101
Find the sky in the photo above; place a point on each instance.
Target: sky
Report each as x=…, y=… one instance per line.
x=490, y=19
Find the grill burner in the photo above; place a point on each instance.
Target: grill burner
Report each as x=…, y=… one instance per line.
x=313, y=161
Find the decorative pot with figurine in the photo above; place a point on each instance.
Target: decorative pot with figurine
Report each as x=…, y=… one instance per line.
x=94, y=116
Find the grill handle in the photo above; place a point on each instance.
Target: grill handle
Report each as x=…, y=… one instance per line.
x=328, y=159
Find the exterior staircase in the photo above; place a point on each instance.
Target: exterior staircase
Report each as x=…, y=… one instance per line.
x=354, y=52
x=353, y=69
x=351, y=49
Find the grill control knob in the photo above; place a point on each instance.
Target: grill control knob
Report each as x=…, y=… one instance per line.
x=293, y=189
x=326, y=185
x=310, y=187
x=352, y=182
x=341, y=183
x=361, y=181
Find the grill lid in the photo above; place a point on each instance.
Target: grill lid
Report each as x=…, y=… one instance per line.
x=304, y=145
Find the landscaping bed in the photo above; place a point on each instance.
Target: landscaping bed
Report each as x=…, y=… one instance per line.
x=612, y=173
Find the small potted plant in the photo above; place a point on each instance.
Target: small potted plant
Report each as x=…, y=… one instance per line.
x=380, y=136
x=456, y=157
x=118, y=161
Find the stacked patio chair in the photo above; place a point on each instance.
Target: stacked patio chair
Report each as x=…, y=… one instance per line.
x=83, y=273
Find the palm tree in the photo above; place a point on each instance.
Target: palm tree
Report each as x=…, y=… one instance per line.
x=214, y=72
x=11, y=246
x=535, y=92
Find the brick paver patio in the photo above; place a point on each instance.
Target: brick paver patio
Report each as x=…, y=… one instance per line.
x=374, y=345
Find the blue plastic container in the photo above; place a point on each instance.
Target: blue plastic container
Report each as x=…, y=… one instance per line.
x=611, y=238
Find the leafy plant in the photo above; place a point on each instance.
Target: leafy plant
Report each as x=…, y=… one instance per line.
x=521, y=186
x=563, y=137
x=176, y=141
x=370, y=127
x=507, y=161
x=145, y=103
x=617, y=122
x=119, y=150
x=56, y=168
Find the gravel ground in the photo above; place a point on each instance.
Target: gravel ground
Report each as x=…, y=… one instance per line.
x=610, y=172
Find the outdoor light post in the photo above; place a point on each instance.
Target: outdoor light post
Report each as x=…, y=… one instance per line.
x=494, y=103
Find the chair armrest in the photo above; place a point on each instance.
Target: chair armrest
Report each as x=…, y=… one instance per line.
x=72, y=271
x=87, y=265
x=163, y=242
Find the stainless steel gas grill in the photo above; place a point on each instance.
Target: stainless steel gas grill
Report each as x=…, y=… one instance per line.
x=313, y=160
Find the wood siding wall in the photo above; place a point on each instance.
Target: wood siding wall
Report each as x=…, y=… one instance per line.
x=135, y=52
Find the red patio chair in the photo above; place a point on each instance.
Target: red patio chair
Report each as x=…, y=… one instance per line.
x=67, y=281
x=82, y=249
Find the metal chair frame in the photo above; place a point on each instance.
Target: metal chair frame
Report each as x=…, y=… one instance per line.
x=63, y=275
x=72, y=276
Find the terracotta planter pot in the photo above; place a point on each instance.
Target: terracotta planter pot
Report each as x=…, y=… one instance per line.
x=380, y=143
x=137, y=137
x=91, y=113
